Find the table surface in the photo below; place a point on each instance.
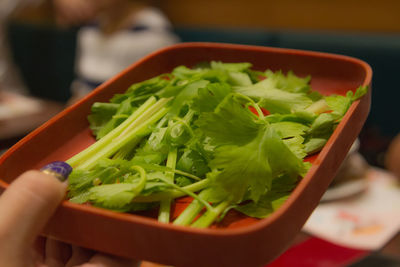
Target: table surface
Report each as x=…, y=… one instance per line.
x=303, y=250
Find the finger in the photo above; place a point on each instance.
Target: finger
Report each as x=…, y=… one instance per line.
x=103, y=260
x=112, y=261
x=79, y=256
x=25, y=207
x=57, y=253
x=150, y=264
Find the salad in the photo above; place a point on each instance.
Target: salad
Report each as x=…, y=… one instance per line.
x=224, y=134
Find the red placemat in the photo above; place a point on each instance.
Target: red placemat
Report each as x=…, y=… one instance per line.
x=315, y=252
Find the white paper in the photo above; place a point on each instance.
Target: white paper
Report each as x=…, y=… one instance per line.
x=367, y=221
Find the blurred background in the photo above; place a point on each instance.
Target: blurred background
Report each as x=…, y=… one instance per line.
x=44, y=51
x=52, y=52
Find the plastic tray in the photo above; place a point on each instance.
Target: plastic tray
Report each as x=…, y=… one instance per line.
x=239, y=241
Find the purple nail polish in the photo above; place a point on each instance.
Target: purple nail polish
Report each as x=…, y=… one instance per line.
x=59, y=169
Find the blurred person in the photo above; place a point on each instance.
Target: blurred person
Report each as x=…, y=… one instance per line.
x=116, y=33
x=24, y=213
x=9, y=77
x=392, y=158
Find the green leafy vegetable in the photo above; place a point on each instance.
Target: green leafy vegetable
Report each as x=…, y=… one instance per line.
x=223, y=133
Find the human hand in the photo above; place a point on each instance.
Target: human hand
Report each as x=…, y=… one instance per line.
x=25, y=207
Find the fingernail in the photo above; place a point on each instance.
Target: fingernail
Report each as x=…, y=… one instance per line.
x=58, y=169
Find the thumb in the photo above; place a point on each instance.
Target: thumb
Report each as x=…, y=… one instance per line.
x=25, y=208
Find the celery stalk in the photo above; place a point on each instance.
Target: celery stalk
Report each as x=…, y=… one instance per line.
x=190, y=212
x=210, y=216
x=91, y=150
x=113, y=144
x=173, y=193
x=165, y=205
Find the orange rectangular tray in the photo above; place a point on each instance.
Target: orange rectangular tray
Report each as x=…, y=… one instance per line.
x=238, y=241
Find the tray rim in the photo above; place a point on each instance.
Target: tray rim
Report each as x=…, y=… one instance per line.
x=222, y=232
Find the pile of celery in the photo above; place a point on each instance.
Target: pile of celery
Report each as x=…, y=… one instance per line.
x=222, y=133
